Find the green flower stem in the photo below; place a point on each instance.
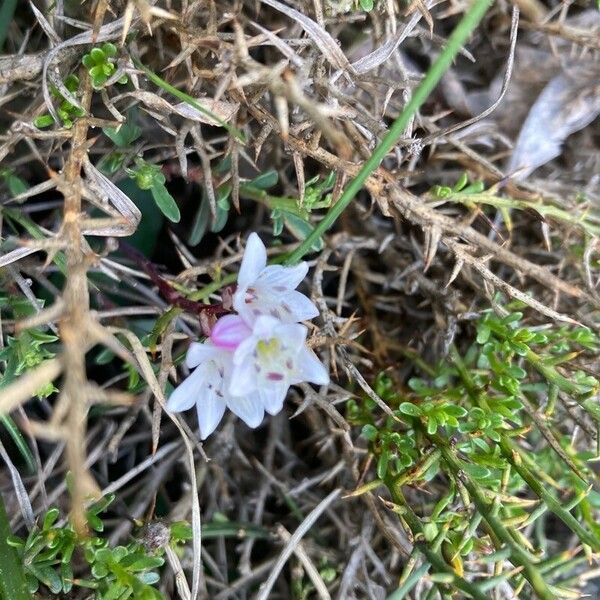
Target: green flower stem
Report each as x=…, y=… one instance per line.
x=455, y=42
x=435, y=558
x=12, y=579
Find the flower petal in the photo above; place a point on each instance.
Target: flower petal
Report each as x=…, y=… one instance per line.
x=229, y=331
x=186, y=393
x=210, y=412
x=272, y=398
x=249, y=408
x=264, y=327
x=243, y=378
x=291, y=335
x=198, y=353
x=310, y=368
x=297, y=307
x=281, y=278
x=253, y=262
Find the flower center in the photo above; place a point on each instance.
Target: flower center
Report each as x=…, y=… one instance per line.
x=268, y=349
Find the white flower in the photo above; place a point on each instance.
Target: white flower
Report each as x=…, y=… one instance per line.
x=270, y=290
x=252, y=358
x=207, y=387
x=274, y=357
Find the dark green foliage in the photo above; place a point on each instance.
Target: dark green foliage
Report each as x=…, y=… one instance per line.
x=127, y=571
x=472, y=422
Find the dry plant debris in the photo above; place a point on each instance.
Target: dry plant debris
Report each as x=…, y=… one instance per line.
x=454, y=452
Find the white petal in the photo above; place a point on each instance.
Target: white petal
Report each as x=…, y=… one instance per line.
x=281, y=278
x=297, y=307
x=254, y=261
x=264, y=327
x=198, y=353
x=249, y=408
x=291, y=335
x=310, y=368
x=186, y=393
x=243, y=378
x=273, y=397
x=210, y=412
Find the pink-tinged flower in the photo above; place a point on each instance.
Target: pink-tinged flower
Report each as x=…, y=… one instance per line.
x=272, y=359
x=208, y=388
x=270, y=290
x=229, y=331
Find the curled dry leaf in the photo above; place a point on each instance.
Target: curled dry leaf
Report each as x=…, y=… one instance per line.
x=570, y=102
x=225, y=111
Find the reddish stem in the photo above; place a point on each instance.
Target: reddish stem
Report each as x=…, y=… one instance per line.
x=172, y=296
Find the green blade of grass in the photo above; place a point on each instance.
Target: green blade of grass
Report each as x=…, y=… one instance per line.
x=19, y=442
x=455, y=42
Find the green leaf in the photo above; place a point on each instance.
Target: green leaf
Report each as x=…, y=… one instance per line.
x=181, y=531
x=382, y=464
x=43, y=121
x=88, y=61
x=97, y=55
x=125, y=135
x=48, y=576
x=14, y=183
x=483, y=334
x=408, y=408
x=165, y=202
x=109, y=50
x=201, y=221
x=265, y=180
x=455, y=411
x=461, y=183
x=301, y=229
x=223, y=207
x=476, y=471
x=19, y=441
x=370, y=432
x=50, y=518
x=432, y=425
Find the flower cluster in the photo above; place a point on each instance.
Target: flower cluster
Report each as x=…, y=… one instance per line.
x=252, y=358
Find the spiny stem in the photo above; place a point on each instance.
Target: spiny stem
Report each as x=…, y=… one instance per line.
x=509, y=451
x=517, y=555
x=455, y=42
x=433, y=557
x=511, y=454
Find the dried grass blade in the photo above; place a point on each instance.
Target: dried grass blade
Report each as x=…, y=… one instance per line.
x=311, y=518
x=326, y=44
x=20, y=491
x=148, y=373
